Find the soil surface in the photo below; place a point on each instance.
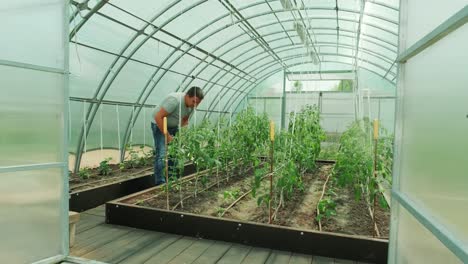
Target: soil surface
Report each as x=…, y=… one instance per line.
x=78, y=183
x=353, y=216
x=298, y=211
x=209, y=188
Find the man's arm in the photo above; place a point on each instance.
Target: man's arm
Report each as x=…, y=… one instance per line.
x=160, y=123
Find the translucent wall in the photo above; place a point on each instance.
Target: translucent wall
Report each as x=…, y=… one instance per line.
x=431, y=158
x=376, y=99
x=33, y=175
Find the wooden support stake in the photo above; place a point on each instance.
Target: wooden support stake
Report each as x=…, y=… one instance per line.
x=167, y=163
x=272, y=139
x=376, y=137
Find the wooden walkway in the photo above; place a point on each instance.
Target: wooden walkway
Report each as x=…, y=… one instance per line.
x=96, y=240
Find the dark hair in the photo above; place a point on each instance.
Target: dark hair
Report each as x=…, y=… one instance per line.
x=195, y=91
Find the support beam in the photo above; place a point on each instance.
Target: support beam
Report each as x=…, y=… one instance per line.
x=450, y=25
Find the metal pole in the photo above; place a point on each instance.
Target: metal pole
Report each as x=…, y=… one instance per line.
x=283, y=102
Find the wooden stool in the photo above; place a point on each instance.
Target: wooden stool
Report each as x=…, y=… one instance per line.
x=73, y=218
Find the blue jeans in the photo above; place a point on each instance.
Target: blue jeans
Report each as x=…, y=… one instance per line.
x=160, y=153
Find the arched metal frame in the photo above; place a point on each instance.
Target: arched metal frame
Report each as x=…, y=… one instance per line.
x=93, y=109
x=272, y=62
x=250, y=87
x=132, y=119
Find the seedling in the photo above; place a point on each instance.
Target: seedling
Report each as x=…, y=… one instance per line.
x=104, y=167
x=84, y=173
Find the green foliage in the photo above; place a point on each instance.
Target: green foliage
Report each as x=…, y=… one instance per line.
x=215, y=147
x=232, y=194
x=305, y=135
x=297, y=86
x=344, y=86
x=295, y=152
x=355, y=160
x=133, y=159
x=220, y=211
x=327, y=209
x=84, y=173
x=329, y=152
x=136, y=158
x=104, y=167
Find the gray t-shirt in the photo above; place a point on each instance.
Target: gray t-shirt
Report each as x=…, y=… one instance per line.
x=173, y=104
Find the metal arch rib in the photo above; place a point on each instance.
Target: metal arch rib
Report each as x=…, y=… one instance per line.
x=129, y=123
x=266, y=76
x=141, y=62
x=180, y=39
x=261, y=79
x=350, y=36
x=93, y=109
x=389, y=61
x=197, y=65
x=351, y=11
x=370, y=36
x=280, y=47
x=342, y=30
x=294, y=57
x=86, y=18
x=159, y=40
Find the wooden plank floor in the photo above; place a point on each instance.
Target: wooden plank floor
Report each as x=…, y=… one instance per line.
x=96, y=240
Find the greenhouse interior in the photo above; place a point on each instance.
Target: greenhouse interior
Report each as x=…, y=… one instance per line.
x=233, y=131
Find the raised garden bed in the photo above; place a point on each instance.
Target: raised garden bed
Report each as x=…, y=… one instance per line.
x=97, y=189
x=224, y=209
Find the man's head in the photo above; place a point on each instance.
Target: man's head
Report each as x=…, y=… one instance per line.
x=193, y=97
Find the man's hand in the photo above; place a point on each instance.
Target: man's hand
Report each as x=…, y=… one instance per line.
x=169, y=138
x=185, y=121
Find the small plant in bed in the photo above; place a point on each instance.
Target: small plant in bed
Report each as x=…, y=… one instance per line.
x=104, y=167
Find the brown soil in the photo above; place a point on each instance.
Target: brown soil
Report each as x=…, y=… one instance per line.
x=207, y=193
x=304, y=206
x=76, y=183
x=352, y=216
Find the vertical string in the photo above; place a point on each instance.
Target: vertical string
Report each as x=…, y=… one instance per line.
x=132, y=124
x=144, y=127
x=69, y=121
x=180, y=111
x=85, y=126
x=118, y=128
x=100, y=116
x=230, y=117
x=370, y=117
x=195, y=116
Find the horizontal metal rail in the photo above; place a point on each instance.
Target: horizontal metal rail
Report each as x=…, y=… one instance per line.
x=451, y=24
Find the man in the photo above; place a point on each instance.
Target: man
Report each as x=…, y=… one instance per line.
x=177, y=107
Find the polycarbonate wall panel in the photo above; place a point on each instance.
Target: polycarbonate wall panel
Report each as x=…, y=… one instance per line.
x=31, y=107
x=143, y=8
x=129, y=83
x=76, y=117
x=32, y=32
x=337, y=111
x=124, y=114
x=383, y=110
x=336, y=123
x=87, y=68
x=33, y=81
x=167, y=84
x=112, y=36
x=420, y=23
x=435, y=128
x=431, y=135
x=415, y=243
x=338, y=103
x=30, y=215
